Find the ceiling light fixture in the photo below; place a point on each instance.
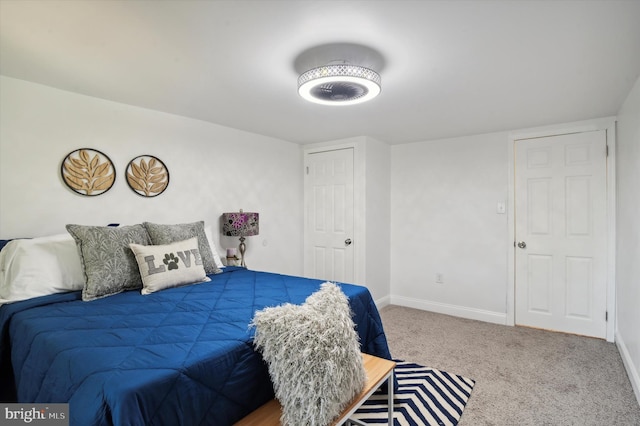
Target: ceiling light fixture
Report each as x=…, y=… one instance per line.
x=339, y=84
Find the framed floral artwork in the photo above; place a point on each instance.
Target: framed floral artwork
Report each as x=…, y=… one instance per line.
x=88, y=171
x=147, y=176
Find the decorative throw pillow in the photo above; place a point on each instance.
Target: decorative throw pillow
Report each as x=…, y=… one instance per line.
x=108, y=263
x=171, y=265
x=167, y=234
x=313, y=355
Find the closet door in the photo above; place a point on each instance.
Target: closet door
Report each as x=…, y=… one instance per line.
x=561, y=233
x=329, y=215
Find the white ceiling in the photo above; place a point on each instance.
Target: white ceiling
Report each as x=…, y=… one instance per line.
x=449, y=68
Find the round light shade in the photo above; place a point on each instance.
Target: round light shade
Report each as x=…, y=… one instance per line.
x=342, y=84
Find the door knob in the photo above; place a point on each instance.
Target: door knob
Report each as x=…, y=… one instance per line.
x=347, y=242
x=522, y=244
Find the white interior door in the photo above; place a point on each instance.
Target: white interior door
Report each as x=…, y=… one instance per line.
x=329, y=221
x=561, y=233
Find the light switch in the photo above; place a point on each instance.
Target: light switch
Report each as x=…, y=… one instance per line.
x=501, y=208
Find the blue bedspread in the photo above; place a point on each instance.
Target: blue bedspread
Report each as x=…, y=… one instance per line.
x=181, y=356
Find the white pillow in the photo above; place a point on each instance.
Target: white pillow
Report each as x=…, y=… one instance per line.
x=39, y=266
x=214, y=249
x=170, y=265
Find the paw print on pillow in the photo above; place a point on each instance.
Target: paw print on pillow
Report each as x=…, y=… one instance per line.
x=171, y=261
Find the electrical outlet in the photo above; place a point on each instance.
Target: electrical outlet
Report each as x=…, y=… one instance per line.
x=439, y=278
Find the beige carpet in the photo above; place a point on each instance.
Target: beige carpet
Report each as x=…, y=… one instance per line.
x=523, y=376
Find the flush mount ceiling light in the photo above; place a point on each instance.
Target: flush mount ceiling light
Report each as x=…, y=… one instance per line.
x=339, y=84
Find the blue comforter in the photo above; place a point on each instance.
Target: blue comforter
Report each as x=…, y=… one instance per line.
x=181, y=356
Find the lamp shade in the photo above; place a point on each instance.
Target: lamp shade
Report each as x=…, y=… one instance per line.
x=240, y=224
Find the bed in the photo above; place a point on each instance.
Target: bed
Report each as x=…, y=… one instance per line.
x=182, y=355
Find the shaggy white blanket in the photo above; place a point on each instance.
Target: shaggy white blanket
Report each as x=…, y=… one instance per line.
x=313, y=354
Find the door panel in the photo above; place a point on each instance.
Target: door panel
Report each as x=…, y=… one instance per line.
x=539, y=206
x=560, y=216
x=540, y=284
x=579, y=287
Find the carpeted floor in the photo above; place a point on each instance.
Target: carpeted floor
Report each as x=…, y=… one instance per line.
x=523, y=376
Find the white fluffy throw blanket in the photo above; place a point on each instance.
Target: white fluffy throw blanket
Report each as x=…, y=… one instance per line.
x=313, y=354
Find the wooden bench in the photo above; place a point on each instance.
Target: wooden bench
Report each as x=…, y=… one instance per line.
x=378, y=371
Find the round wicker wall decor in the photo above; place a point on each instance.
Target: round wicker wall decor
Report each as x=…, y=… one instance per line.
x=147, y=176
x=88, y=172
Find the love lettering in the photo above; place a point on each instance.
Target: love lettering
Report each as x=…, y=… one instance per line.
x=171, y=261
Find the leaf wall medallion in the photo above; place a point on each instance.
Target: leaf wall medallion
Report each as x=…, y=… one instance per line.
x=147, y=176
x=88, y=172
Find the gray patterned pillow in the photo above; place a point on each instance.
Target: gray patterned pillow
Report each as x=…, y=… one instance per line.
x=167, y=234
x=108, y=263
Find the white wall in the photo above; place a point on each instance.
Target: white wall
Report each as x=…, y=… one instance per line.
x=628, y=235
x=444, y=195
x=378, y=218
x=213, y=169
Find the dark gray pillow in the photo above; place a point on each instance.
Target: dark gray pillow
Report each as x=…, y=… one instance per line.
x=109, y=265
x=167, y=234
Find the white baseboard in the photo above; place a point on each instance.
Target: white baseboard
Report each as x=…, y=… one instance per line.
x=382, y=302
x=454, y=310
x=632, y=370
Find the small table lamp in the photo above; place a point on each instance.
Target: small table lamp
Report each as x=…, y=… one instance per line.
x=240, y=224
